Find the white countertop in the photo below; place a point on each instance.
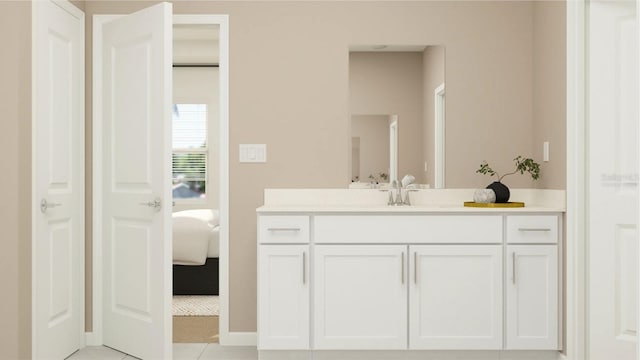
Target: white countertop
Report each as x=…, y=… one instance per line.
x=425, y=201
x=413, y=209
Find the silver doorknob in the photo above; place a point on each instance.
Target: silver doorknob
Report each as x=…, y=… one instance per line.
x=44, y=205
x=156, y=204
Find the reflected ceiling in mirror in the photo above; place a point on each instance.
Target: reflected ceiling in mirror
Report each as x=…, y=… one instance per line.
x=403, y=81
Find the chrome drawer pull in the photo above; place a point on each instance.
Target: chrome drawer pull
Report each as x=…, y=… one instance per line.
x=534, y=229
x=283, y=229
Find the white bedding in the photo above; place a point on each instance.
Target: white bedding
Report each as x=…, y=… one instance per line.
x=195, y=236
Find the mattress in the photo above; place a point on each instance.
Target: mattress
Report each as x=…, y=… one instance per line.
x=196, y=236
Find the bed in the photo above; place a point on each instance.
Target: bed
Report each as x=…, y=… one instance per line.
x=196, y=252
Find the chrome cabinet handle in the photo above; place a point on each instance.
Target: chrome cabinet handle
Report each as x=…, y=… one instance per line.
x=304, y=267
x=402, y=268
x=415, y=268
x=156, y=204
x=44, y=205
x=534, y=229
x=513, y=267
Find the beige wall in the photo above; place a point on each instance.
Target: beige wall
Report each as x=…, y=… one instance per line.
x=15, y=182
x=491, y=48
x=433, y=63
x=390, y=83
x=289, y=89
x=549, y=91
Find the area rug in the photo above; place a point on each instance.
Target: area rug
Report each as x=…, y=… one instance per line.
x=196, y=305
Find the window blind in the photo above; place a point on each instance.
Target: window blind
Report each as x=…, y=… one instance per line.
x=189, y=158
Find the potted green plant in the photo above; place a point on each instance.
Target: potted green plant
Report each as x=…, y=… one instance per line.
x=522, y=165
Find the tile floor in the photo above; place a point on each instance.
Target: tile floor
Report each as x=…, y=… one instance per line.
x=180, y=352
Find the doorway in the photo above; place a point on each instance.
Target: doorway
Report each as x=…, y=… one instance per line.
x=195, y=184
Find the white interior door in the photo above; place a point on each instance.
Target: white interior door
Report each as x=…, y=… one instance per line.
x=613, y=180
x=136, y=197
x=58, y=153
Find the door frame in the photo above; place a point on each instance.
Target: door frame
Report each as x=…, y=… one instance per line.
x=226, y=336
x=439, y=131
x=67, y=6
x=576, y=221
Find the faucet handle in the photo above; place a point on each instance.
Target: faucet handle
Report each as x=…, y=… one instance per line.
x=390, y=199
x=407, y=200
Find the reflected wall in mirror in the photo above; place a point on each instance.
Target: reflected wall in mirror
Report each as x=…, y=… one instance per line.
x=400, y=81
x=371, y=142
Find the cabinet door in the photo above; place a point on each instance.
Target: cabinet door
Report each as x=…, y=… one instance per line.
x=532, y=297
x=360, y=297
x=455, y=297
x=283, y=297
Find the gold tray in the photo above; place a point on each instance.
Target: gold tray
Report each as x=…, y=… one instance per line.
x=513, y=204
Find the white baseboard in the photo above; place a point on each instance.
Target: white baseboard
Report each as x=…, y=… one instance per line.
x=406, y=355
x=229, y=339
x=239, y=339
x=91, y=339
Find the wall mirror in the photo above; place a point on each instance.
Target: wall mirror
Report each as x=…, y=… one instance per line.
x=397, y=111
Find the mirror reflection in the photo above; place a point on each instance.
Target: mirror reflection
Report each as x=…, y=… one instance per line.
x=371, y=153
x=405, y=85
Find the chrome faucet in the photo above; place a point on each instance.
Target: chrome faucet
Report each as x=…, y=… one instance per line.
x=396, y=185
x=398, y=201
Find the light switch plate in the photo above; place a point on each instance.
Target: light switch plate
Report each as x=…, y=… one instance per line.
x=253, y=153
x=545, y=151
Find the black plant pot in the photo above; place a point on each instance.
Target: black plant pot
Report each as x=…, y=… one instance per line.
x=501, y=190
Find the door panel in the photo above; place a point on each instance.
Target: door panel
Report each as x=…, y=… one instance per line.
x=456, y=297
x=283, y=297
x=136, y=114
x=360, y=297
x=532, y=297
x=58, y=180
x=613, y=179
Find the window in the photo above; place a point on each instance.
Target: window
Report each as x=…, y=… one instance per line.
x=190, y=152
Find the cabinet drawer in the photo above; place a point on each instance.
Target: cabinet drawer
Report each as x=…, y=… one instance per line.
x=412, y=229
x=532, y=229
x=290, y=229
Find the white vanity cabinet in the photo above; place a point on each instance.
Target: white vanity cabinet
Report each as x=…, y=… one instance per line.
x=455, y=297
x=283, y=284
x=392, y=280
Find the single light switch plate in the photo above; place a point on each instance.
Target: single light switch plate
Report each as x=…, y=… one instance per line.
x=253, y=153
x=545, y=151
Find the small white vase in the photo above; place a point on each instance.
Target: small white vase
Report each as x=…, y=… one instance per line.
x=484, y=196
